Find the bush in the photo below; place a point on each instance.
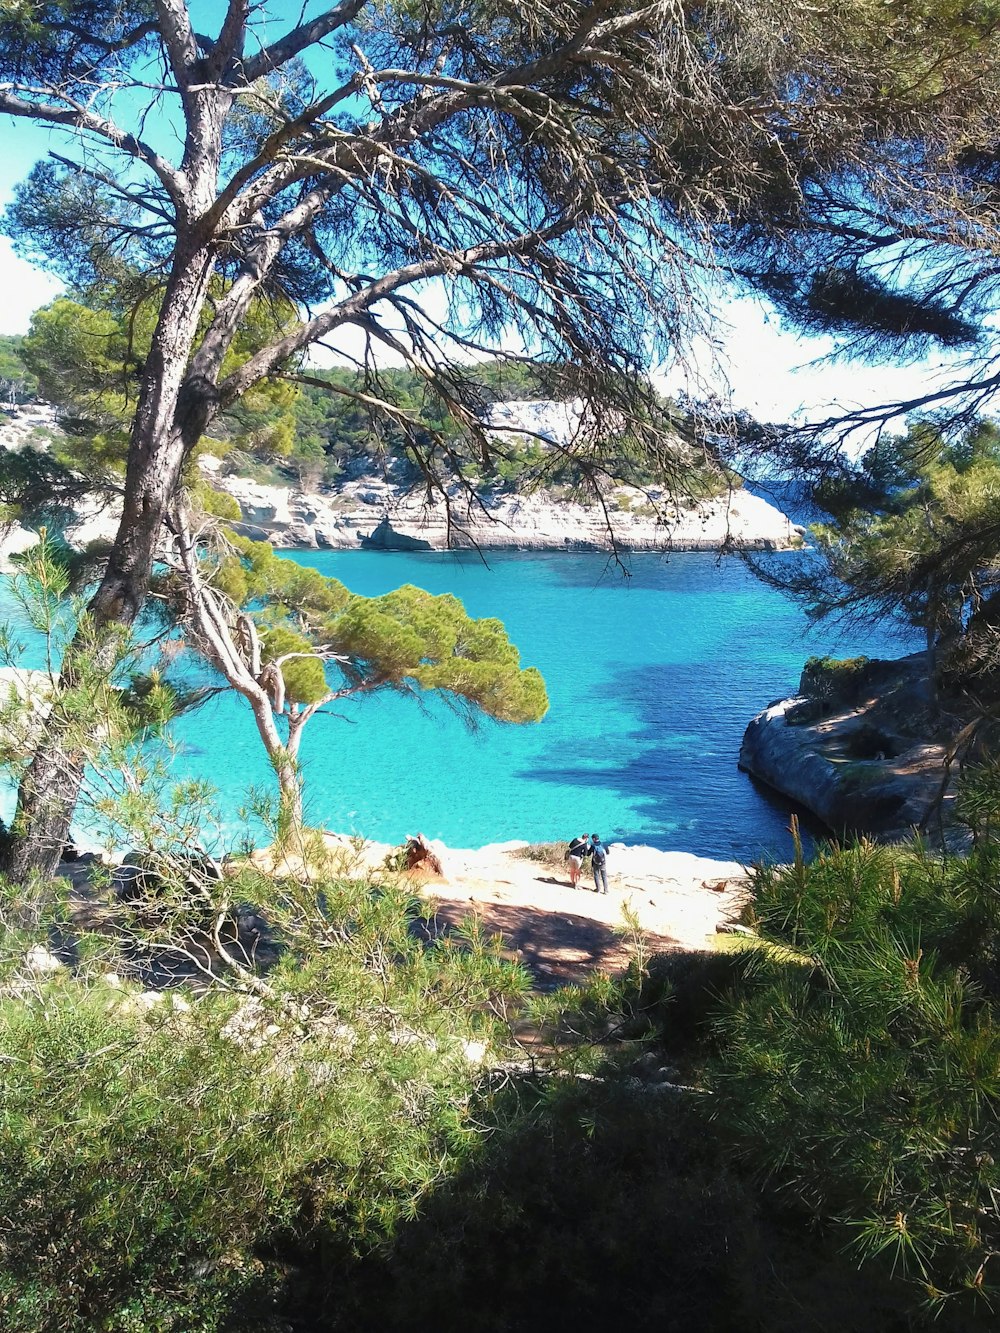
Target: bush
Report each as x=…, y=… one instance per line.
x=599, y=1206
x=868, y=1084
x=833, y=679
x=165, y=1160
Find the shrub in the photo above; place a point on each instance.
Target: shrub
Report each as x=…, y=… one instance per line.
x=868, y=1085
x=165, y=1160
x=834, y=679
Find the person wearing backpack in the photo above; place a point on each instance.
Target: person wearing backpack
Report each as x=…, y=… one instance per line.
x=599, y=863
x=575, y=853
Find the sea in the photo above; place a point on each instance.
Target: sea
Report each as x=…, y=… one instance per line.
x=653, y=672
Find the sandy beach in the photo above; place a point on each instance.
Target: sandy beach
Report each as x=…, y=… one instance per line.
x=559, y=932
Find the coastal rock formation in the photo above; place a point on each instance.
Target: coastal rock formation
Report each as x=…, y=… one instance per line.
x=370, y=512
x=94, y=520
x=33, y=689
x=386, y=538
x=373, y=514
x=860, y=767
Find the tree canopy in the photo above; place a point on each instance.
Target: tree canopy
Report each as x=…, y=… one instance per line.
x=894, y=256
x=291, y=640
x=912, y=534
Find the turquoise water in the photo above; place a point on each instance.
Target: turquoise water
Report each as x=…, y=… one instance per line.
x=652, y=682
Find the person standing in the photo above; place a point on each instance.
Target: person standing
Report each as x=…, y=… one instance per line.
x=599, y=863
x=574, y=856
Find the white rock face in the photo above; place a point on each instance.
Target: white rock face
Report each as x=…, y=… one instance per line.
x=348, y=517
x=96, y=520
x=33, y=687
x=372, y=511
x=31, y=423
x=558, y=422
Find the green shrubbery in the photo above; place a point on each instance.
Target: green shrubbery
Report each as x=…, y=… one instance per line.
x=865, y=1078
x=834, y=679
x=335, y=1129
x=166, y=1160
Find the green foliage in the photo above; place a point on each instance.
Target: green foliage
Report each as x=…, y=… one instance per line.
x=863, y=1076
x=17, y=384
x=345, y=426
x=111, y=702
x=217, y=503
x=411, y=635
x=122, y=1176
x=978, y=801
x=161, y=1161
x=913, y=537
x=832, y=678
x=304, y=677
x=35, y=487
x=590, y=1210
x=88, y=362
x=403, y=638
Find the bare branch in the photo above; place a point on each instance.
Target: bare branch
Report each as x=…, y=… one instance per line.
x=301, y=38
x=78, y=118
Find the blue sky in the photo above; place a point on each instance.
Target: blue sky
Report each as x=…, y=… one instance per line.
x=764, y=368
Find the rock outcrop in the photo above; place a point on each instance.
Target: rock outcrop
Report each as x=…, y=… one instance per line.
x=370, y=512
x=386, y=538
x=860, y=768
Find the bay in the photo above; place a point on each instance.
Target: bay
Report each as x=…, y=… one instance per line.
x=652, y=679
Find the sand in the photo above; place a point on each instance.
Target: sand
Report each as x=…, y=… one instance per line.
x=559, y=932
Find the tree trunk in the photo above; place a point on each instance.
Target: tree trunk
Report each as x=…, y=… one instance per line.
x=930, y=658
x=290, y=818
x=284, y=763
x=169, y=419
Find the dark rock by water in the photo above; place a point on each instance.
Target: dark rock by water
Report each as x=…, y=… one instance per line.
x=386, y=538
x=865, y=758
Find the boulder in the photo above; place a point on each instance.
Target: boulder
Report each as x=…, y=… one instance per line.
x=41, y=961
x=386, y=538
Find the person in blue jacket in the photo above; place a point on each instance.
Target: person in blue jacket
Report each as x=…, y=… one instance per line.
x=599, y=863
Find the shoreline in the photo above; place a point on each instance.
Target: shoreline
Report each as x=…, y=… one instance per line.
x=678, y=899
x=370, y=514
x=368, y=511
x=658, y=902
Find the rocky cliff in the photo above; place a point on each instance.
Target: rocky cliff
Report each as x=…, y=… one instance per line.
x=372, y=512
x=861, y=765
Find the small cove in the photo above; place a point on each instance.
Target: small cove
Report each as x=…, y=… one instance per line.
x=651, y=679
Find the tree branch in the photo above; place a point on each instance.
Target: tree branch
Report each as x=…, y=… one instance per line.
x=77, y=118
x=299, y=39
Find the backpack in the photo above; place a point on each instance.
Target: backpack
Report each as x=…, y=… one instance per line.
x=598, y=854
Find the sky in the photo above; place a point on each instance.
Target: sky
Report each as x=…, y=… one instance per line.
x=762, y=368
